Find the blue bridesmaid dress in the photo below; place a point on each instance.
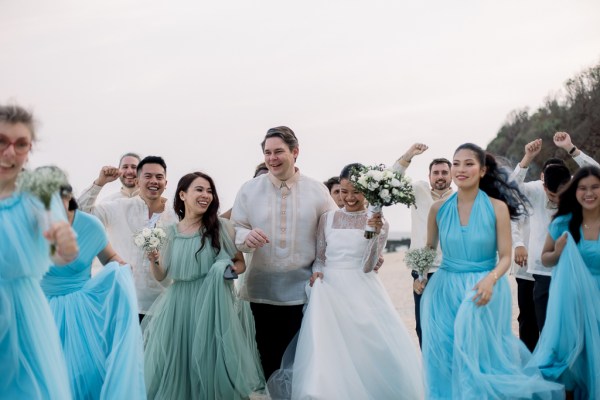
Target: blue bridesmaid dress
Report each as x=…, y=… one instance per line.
x=469, y=351
x=569, y=348
x=32, y=364
x=97, y=320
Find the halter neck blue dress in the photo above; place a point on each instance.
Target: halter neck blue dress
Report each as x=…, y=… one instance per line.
x=97, y=320
x=32, y=365
x=470, y=352
x=569, y=346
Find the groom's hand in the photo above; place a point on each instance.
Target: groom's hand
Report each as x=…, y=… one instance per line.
x=256, y=238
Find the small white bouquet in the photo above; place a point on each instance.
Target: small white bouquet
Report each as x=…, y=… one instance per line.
x=381, y=187
x=150, y=239
x=43, y=183
x=420, y=260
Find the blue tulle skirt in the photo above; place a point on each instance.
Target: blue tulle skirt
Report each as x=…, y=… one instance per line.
x=470, y=352
x=32, y=365
x=100, y=334
x=569, y=348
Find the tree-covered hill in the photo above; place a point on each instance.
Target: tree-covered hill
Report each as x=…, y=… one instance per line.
x=576, y=110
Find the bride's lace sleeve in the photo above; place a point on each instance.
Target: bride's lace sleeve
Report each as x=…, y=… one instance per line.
x=320, y=258
x=375, y=248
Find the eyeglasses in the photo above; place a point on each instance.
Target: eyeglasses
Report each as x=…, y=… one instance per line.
x=21, y=145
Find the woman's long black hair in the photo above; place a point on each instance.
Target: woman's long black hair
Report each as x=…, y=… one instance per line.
x=568, y=204
x=210, y=219
x=496, y=182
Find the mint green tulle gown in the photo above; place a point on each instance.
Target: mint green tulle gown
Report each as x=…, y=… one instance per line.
x=32, y=365
x=199, y=337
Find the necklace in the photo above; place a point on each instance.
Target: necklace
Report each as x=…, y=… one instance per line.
x=586, y=226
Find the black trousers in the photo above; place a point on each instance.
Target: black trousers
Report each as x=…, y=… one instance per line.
x=528, y=327
x=541, y=289
x=276, y=326
x=417, y=298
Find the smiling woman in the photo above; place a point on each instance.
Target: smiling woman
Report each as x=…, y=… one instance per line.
x=182, y=359
x=465, y=308
x=30, y=351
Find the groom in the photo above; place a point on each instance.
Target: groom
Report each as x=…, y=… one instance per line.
x=276, y=217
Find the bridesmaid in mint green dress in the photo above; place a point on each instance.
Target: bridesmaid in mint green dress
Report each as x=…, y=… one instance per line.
x=199, y=338
x=469, y=350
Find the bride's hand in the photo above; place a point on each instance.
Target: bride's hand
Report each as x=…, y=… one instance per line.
x=376, y=222
x=314, y=277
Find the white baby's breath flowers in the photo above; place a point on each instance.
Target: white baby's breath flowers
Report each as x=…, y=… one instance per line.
x=420, y=260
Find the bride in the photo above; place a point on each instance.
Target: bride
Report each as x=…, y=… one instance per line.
x=352, y=344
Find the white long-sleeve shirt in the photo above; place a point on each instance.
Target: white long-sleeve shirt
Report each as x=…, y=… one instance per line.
x=279, y=271
x=541, y=211
x=424, y=199
x=123, y=219
x=519, y=230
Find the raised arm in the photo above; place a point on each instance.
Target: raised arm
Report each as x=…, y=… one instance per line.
x=563, y=140
x=404, y=161
x=87, y=199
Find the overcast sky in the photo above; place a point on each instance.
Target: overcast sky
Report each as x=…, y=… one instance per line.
x=199, y=83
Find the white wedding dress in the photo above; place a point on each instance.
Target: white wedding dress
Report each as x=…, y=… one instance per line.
x=352, y=344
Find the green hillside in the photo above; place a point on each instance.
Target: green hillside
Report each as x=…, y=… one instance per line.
x=574, y=109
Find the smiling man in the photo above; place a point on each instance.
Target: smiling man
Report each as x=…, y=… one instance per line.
x=127, y=175
x=124, y=217
x=275, y=217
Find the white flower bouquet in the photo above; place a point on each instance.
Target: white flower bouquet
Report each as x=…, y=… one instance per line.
x=43, y=183
x=381, y=187
x=150, y=239
x=420, y=260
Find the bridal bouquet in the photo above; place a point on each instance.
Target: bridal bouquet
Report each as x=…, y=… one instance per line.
x=420, y=260
x=381, y=187
x=150, y=239
x=43, y=183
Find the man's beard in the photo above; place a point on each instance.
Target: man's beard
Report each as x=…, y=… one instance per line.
x=441, y=185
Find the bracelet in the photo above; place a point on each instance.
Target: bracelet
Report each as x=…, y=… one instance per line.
x=572, y=150
x=156, y=262
x=404, y=159
x=494, y=275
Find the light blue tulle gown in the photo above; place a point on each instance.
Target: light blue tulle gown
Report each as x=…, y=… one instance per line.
x=199, y=338
x=97, y=320
x=569, y=348
x=32, y=365
x=470, y=352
